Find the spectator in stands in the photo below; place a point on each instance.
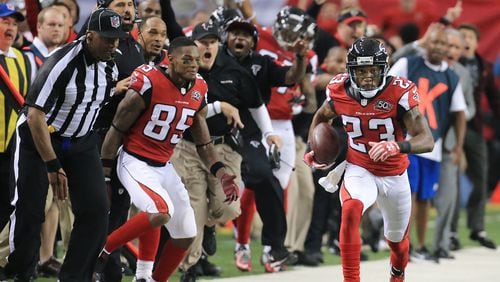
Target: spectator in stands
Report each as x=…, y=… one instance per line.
x=443, y=96
x=16, y=68
x=447, y=197
x=148, y=8
x=69, y=33
x=475, y=145
x=420, y=13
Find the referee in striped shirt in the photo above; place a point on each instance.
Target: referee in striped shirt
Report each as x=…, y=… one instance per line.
x=55, y=145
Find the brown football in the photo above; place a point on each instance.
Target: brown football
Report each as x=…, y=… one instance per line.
x=325, y=144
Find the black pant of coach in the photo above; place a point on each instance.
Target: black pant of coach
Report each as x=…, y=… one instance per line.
x=87, y=191
x=258, y=176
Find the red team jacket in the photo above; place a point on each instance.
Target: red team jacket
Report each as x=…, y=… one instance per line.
x=377, y=119
x=279, y=106
x=169, y=113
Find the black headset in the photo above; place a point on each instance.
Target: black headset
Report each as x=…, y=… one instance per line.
x=105, y=3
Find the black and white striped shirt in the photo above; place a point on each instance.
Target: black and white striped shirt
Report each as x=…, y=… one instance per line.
x=71, y=87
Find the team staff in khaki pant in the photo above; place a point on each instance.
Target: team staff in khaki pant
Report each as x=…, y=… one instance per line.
x=201, y=185
x=300, y=201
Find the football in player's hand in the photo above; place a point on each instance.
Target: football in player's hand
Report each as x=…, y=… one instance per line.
x=325, y=144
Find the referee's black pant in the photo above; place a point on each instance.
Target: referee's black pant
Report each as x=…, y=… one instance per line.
x=87, y=191
x=5, y=169
x=258, y=176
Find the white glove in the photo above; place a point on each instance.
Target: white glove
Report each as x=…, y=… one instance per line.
x=330, y=182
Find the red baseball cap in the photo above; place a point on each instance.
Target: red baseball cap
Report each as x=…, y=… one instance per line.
x=351, y=15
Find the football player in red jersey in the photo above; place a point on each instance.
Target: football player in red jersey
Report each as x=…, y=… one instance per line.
x=377, y=110
x=159, y=106
x=284, y=43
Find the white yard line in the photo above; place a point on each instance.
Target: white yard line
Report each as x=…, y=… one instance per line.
x=470, y=265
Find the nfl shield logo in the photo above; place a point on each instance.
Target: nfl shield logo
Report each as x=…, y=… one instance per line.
x=196, y=95
x=115, y=21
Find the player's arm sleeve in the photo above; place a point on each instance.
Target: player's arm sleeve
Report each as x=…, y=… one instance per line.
x=204, y=101
x=140, y=83
x=400, y=68
x=409, y=100
x=263, y=120
x=329, y=99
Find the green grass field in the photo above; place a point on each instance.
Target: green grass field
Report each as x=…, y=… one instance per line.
x=225, y=244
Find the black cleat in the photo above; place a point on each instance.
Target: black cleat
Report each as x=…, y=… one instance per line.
x=455, y=243
x=98, y=275
x=442, y=254
x=306, y=259
x=208, y=268
x=189, y=275
x=482, y=238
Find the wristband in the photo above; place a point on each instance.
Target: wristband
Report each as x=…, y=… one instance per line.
x=204, y=144
x=107, y=163
x=217, y=107
x=299, y=56
x=404, y=147
x=53, y=165
x=215, y=167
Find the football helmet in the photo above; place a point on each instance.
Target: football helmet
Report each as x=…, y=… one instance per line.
x=222, y=17
x=367, y=52
x=292, y=24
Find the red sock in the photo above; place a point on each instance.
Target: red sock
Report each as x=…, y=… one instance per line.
x=148, y=244
x=244, y=221
x=170, y=259
x=350, y=239
x=132, y=229
x=400, y=252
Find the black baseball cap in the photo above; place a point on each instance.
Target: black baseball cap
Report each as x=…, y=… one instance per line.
x=107, y=23
x=242, y=25
x=203, y=30
x=7, y=10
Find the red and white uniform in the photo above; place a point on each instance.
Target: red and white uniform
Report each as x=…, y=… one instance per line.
x=169, y=114
x=374, y=120
x=143, y=164
x=378, y=120
x=279, y=106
